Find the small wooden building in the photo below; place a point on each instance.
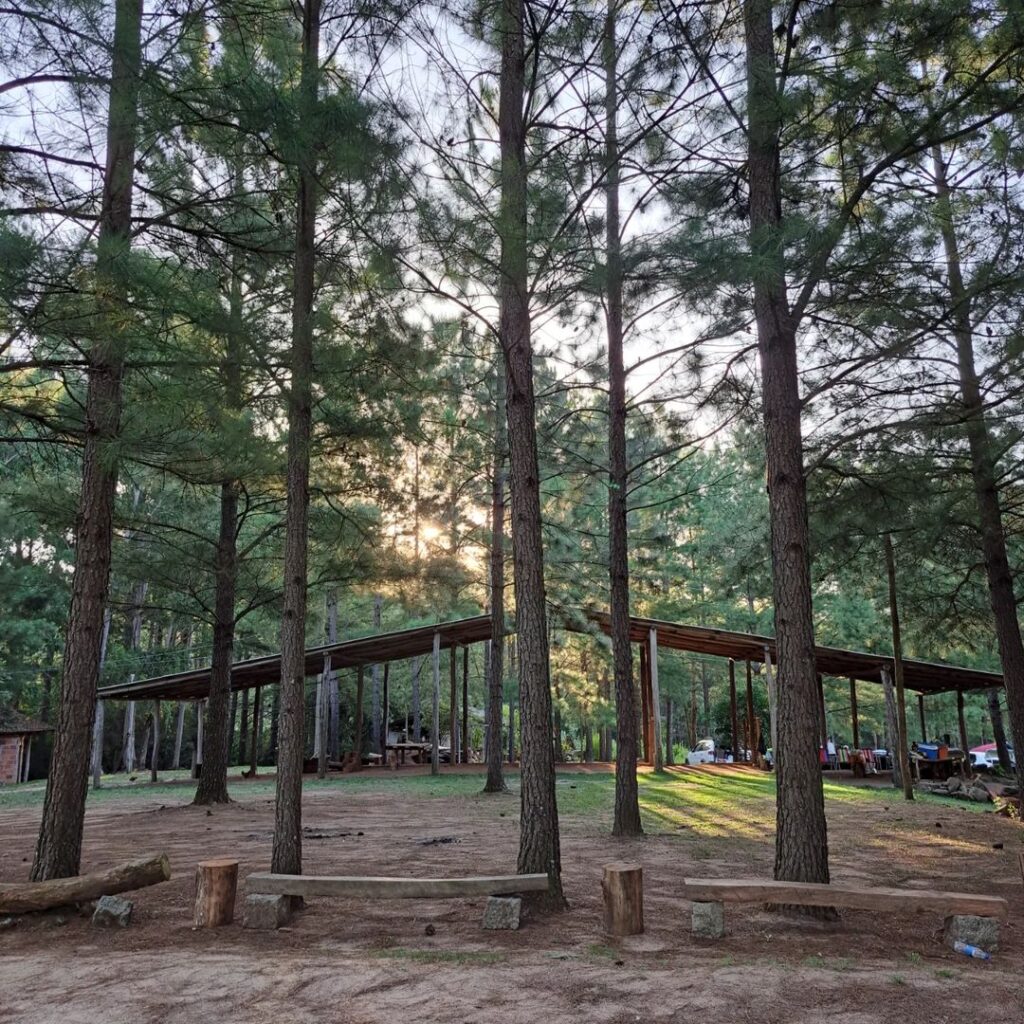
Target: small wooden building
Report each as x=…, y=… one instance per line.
x=16, y=732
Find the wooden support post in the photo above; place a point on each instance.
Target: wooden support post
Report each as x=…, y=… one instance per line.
x=254, y=736
x=659, y=760
x=645, y=753
x=435, y=720
x=773, y=705
x=465, y=705
x=97, y=745
x=216, y=882
x=357, y=740
x=924, y=724
x=822, y=716
x=751, y=732
x=853, y=713
x=200, y=715
x=322, y=712
x=962, y=723
x=623, y=890
x=27, y=762
x=385, y=706
x=734, y=736
x=670, y=757
x=453, y=708
x=155, y=756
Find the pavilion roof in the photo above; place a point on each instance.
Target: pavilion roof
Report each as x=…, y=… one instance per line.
x=194, y=684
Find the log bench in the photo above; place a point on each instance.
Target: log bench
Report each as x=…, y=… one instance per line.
x=268, y=905
x=969, y=916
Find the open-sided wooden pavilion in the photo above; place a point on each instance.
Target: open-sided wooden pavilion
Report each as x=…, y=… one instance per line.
x=649, y=634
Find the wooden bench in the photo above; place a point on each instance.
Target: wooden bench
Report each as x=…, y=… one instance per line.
x=268, y=904
x=709, y=895
x=266, y=882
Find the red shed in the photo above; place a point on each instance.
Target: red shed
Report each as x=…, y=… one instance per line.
x=16, y=732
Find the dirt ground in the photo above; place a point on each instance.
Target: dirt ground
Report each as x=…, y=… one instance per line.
x=355, y=961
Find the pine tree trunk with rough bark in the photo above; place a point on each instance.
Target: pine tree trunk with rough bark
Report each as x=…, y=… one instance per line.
x=495, y=782
x=984, y=474
x=59, y=847
x=100, y=713
x=626, y=820
x=801, y=838
x=286, y=857
x=213, y=783
x=539, y=849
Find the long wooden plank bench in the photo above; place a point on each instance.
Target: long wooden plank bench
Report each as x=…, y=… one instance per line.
x=392, y=888
x=710, y=894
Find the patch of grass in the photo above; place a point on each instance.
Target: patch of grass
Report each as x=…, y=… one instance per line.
x=691, y=805
x=914, y=958
x=440, y=956
x=945, y=973
x=898, y=979
x=601, y=950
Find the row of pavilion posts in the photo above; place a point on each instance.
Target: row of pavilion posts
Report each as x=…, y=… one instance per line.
x=652, y=748
x=458, y=730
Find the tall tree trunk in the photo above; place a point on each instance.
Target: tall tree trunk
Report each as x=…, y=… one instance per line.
x=213, y=783
x=495, y=782
x=900, y=767
x=897, y=661
x=801, y=835
x=286, y=857
x=59, y=849
x=132, y=641
x=538, y=830
x=984, y=474
x=99, y=715
x=626, y=821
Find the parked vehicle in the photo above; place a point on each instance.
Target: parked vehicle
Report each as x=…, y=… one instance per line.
x=986, y=757
x=702, y=753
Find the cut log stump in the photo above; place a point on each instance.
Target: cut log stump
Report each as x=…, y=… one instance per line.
x=25, y=897
x=623, y=888
x=216, y=882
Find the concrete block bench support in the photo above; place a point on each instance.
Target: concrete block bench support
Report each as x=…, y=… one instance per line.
x=708, y=920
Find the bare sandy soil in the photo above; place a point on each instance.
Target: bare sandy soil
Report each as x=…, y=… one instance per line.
x=353, y=962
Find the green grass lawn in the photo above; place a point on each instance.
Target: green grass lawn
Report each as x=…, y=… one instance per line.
x=708, y=804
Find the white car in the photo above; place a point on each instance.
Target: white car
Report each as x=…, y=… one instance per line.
x=702, y=753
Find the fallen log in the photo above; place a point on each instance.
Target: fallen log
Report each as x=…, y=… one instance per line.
x=24, y=897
